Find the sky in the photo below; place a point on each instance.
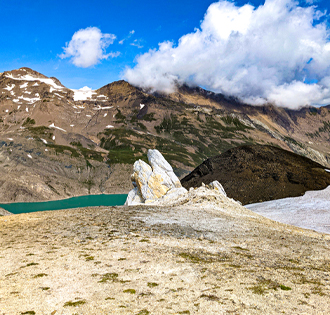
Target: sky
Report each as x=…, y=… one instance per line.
x=274, y=51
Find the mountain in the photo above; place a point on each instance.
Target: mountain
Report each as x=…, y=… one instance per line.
x=57, y=142
x=259, y=173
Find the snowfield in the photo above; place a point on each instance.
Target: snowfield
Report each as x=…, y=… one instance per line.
x=310, y=211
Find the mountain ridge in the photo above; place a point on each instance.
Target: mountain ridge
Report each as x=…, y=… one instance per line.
x=94, y=136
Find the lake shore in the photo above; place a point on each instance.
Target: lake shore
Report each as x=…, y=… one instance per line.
x=4, y=212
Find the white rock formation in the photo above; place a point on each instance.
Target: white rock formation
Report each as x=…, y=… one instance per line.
x=153, y=182
x=217, y=186
x=157, y=184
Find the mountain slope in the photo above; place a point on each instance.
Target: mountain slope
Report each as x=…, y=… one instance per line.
x=80, y=141
x=259, y=173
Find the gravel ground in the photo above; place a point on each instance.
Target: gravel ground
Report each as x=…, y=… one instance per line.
x=205, y=256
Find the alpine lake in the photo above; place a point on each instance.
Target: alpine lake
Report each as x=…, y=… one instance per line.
x=74, y=202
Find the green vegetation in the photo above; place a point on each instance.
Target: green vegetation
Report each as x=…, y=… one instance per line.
x=109, y=277
x=31, y=264
x=152, y=284
x=60, y=149
x=265, y=285
x=149, y=117
x=204, y=257
x=324, y=129
x=289, y=139
x=180, y=138
x=283, y=287
x=120, y=118
x=74, y=304
x=28, y=122
x=28, y=313
x=131, y=291
x=89, y=258
x=40, y=275
x=41, y=131
x=313, y=111
x=143, y=312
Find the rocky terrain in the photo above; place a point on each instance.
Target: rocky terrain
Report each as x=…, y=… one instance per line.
x=205, y=254
x=56, y=142
x=4, y=212
x=196, y=252
x=259, y=173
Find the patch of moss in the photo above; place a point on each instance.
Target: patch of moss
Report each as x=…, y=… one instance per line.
x=89, y=258
x=40, y=275
x=285, y=288
x=75, y=303
x=266, y=284
x=109, y=277
x=131, y=291
x=204, y=257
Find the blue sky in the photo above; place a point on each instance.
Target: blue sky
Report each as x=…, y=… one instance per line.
x=34, y=33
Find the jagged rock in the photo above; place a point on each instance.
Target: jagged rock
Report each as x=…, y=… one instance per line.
x=153, y=182
x=217, y=186
x=133, y=198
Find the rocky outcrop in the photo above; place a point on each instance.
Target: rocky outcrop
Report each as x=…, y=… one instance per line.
x=257, y=173
x=4, y=212
x=153, y=181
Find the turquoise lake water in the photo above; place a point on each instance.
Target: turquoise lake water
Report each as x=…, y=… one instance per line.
x=74, y=202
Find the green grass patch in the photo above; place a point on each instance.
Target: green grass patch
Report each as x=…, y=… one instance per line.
x=109, y=277
x=130, y=291
x=40, y=275
x=74, y=304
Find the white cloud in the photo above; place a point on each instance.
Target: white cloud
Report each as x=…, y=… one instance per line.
x=269, y=53
x=88, y=46
x=127, y=37
x=136, y=43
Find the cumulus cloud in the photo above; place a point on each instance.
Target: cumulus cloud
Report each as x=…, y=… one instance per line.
x=278, y=52
x=88, y=47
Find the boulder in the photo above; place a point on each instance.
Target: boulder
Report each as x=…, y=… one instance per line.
x=153, y=182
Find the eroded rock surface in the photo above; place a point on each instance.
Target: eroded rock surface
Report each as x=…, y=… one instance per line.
x=153, y=182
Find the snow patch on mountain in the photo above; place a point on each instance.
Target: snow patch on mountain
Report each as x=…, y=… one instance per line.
x=83, y=94
x=9, y=87
x=31, y=78
x=53, y=126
